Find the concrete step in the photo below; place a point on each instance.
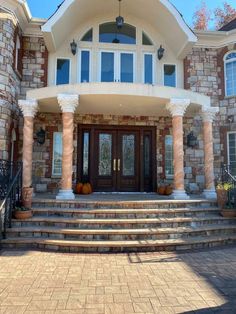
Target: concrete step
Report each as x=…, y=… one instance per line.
x=143, y=204
x=119, y=246
x=63, y=222
x=120, y=234
x=125, y=213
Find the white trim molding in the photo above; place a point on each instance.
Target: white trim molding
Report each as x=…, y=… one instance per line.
x=178, y=106
x=68, y=102
x=28, y=107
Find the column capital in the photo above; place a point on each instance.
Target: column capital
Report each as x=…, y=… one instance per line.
x=29, y=107
x=208, y=114
x=178, y=106
x=68, y=102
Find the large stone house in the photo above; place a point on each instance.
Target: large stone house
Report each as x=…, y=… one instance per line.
x=122, y=107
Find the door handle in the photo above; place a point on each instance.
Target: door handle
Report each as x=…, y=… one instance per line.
x=114, y=164
x=118, y=164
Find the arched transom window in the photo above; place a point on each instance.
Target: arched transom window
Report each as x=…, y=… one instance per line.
x=230, y=74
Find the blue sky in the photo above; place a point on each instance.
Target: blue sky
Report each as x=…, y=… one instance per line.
x=44, y=8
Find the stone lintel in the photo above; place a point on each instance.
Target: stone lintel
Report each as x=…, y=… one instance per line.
x=68, y=102
x=178, y=106
x=29, y=107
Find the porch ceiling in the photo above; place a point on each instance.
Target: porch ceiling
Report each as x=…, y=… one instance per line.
x=161, y=14
x=118, y=98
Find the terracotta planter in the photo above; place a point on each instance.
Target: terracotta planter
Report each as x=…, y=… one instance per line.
x=23, y=214
x=27, y=194
x=222, y=197
x=228, y=213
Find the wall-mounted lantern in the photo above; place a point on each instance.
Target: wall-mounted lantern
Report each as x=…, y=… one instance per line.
x=41, y=136
x=73, y=47
x=192, y=140
x=160, y=52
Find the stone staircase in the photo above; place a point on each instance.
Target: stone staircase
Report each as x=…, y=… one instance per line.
x=121, y=226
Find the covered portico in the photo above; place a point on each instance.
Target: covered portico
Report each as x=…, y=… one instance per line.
x=117, y=98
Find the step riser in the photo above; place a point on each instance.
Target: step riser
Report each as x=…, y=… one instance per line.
x=117, y=205
x=120, y=225
x=125, y=216
x=123, y=237
x=71, y=249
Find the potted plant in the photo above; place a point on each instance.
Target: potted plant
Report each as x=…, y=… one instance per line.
x=229, y=211
x=222, y=193
x=21, y=212
x=27, y=195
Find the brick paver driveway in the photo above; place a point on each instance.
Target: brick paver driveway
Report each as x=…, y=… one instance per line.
x=42, y=282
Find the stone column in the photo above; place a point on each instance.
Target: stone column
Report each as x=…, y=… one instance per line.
x=208, y=115
x=29, y=110
x=68, y=104
x=177, y=108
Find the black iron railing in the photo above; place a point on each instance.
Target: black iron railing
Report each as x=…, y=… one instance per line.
x=11, y=198
x=228, y=178
x=8, y=170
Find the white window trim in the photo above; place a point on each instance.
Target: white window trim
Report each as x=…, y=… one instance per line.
x=153, y=67
x=63, y=58
x=53, y=174
x=117, y=64
x=225, y=76
x=228, y=133
x=163, y=74
x=90, y=65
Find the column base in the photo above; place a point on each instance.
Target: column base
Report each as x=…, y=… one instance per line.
x=180, y=195
x=210, y=194
x=65, y=195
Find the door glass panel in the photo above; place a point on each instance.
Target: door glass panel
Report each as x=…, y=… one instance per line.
x=86, y=154
x=107, y=67
x=105, y=154
x=146, y=156
x=127, y=67
x=128, y=155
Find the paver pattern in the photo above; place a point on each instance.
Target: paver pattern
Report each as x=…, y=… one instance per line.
x=46, y=282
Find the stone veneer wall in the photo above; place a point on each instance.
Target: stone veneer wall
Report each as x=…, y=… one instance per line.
x=42, y=156
x=204, y=73
x=9, y=83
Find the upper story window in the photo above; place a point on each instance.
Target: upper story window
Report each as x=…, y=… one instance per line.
x=17, y=49
x=108, y=33
x=170, y=75
x=230, y=74
x=88, y=36
x=63, y=71
x=146, y=41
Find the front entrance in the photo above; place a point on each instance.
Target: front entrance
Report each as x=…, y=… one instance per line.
x=116, y=158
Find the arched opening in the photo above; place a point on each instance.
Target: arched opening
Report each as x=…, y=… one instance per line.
x=146, y=41
x=109, y=33
x=230, y=73
x=88, y=36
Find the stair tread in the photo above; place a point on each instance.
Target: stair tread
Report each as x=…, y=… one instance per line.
x=140, y=243
x=124, y=211
x=33, y=229
x=120, y=221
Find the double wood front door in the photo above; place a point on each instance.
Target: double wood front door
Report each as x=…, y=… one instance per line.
x=117, y=158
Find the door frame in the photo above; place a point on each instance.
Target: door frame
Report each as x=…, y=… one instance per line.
x=91, y=129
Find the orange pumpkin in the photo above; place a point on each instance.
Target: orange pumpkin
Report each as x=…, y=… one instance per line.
x=161, y=190
x=90, y=188
x=169, y=190
x=78, y=188
x=85, y=189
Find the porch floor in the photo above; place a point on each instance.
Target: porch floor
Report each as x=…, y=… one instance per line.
x=120, y=197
